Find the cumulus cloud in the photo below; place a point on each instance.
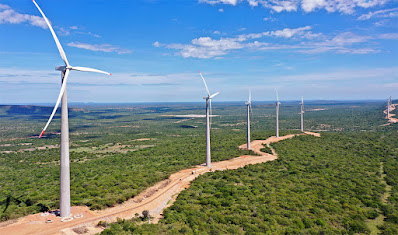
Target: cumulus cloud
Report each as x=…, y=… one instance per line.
x=342, y=6
x=99, y=47
x=10, y=16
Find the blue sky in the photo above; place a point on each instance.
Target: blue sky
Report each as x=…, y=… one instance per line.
x=319, y=49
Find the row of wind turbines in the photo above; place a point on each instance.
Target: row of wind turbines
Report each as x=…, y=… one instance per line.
x=65, y=200
x=249, y=111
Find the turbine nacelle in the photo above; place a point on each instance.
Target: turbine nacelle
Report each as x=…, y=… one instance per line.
x=60, y=68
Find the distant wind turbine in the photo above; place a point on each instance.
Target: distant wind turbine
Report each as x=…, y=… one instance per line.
x=249, y=109
x=388, y=107
x=64, y=163
x=302, y=114
x=208, y=121
x=277, y=112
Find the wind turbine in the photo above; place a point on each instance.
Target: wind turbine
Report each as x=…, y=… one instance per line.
x=208, y=121
x=302, y=114
x=249, y=108
x=388, y=107
x=64, y=162
x=277, y=113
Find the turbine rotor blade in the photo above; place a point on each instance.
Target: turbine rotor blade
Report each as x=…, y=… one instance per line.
x=277, y=96
x=60, y=49
x=84, y=69
x=61, y=93
x=250, y=95
x=207, y=89
x=214, y=95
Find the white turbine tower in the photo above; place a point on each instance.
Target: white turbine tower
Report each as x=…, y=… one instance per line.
x=249, y=109
x=64, y=162
x=208, y=121
x=302, y=114
x=388, y=107
x=277, y=113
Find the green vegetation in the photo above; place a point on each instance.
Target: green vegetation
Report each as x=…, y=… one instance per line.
x=118, y=151
x=266, y=149
x=327, y=185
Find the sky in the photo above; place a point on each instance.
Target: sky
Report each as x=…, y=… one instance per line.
x=319, y=49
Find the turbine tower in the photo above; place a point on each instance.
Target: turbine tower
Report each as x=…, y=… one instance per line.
x=277, y=113
x=208, y=121
x=388, y=107
x=64, y=147
x=249, y=109
x=302, y=114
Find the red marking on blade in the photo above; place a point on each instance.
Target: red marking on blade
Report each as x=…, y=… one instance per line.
x=41, y=134
x=110, y=74
x=199, y=71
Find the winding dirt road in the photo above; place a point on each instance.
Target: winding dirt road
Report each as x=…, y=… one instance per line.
x=392, y=118
x=155, y=199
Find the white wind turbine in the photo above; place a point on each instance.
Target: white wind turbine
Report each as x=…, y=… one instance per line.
x=388, y=107
x=64, y=162
x=208, y=121
x=302, y=114
x=277, y=113
x=249, y=109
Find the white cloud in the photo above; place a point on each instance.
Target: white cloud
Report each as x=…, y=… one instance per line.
x=221, y=10
x=207, y=47
x=76, y=30
x=388, y=36
x=9, y=16
x=301, y=40
x=386, y=13
x=2, y=7
x=156, y=44
x=213, y=2
x=342, y=6
x=99, y=47
x=271, y=19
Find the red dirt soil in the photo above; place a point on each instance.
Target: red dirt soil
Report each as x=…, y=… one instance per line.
x=154, y=199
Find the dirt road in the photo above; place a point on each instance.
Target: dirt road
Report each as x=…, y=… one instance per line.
x=392, y=118
x=155, y=199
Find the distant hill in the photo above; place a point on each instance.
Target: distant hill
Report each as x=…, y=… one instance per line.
x=24, y=110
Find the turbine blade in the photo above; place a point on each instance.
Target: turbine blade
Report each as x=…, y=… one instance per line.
x=61, y=93
x=84, y=69
x=207, y=89
x=60, y=49
x=214, y=95
x=277, y=96
x=250, y=95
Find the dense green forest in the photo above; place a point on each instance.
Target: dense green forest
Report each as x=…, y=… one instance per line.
x=327, y=185
x=119, y=150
